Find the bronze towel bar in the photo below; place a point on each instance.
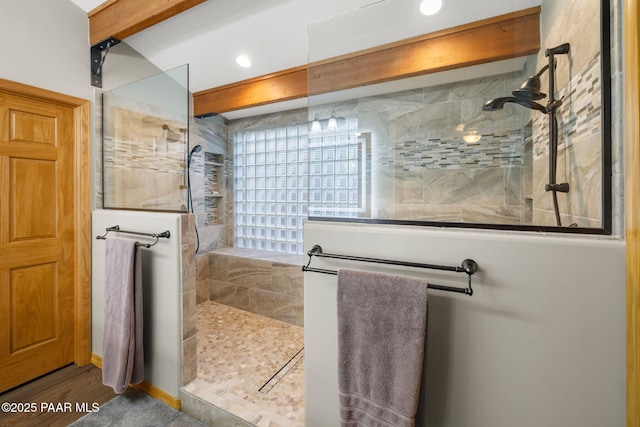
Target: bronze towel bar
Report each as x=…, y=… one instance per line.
x=468, y=266
x=164, y=234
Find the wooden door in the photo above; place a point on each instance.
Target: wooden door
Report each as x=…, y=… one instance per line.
x=37, y=237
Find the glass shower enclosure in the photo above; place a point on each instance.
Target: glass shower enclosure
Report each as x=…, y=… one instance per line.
x=145, y=144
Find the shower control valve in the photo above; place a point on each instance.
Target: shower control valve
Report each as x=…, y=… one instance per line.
x=553, y=106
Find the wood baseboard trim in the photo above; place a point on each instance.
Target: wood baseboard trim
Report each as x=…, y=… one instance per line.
x=96, y=360
x=148, y=388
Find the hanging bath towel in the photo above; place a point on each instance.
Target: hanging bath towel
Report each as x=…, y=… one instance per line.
x=381, y=341
x=122, y=341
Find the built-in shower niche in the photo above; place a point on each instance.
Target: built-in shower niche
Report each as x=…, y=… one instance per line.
x=213, y=188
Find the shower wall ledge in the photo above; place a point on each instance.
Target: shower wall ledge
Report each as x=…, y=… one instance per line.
x=261, y=255
x=265, y=283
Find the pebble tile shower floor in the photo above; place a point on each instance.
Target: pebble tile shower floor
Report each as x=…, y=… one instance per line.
x=250, y=366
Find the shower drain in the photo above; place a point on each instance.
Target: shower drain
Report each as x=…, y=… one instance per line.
x=282, y=372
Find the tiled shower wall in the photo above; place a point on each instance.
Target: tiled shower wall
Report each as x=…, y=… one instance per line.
x=263, y=283
x=189, y=345
x=422, y=168
x=579, y=121
x=214, y=230
x=271, y=286
x=144, y=149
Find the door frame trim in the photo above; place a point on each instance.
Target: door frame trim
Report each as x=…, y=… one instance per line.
x=82, y=209
x=631, y=38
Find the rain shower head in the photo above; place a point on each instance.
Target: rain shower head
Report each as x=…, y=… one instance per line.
x=530, y=89
x=169, y=135
x=525, y=101
x=497, y=103
x=525, y=95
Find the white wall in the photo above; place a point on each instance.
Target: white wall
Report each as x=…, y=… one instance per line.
x=540, y=343
x=162, y=275
x=46, y=44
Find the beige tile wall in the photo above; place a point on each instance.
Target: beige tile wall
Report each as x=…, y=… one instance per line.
x=269, y=287
x=189, y=349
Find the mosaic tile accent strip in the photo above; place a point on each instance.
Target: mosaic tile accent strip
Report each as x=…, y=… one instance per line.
x=238, y=352
x=579, y=152
x=144, y=162
x=453, y=153
x=141, y=142
x=580, y=115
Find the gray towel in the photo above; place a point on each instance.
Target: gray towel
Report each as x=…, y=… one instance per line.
x=122, y=345
x=381, y=341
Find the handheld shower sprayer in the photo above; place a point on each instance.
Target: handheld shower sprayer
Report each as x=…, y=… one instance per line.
x=527, y=95
x=193, y=151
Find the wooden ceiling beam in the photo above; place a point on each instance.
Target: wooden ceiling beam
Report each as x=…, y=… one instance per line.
x=123, y=18
x=276, y=87
x=494, y=39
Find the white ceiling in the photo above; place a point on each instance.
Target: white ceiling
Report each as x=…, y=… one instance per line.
x=276, y=33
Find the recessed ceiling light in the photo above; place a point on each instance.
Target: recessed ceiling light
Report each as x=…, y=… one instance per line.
x=472, y=137
x=431, y=7
x=244, y=61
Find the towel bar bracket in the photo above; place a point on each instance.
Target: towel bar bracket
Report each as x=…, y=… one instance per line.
x=469, y=266
x=158, y=236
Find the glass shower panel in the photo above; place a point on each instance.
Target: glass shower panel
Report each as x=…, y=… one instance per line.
x=145, y=143
x=448, y=140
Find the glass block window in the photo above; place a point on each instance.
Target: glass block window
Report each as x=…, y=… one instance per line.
x=337, y=170
x=273, y=181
